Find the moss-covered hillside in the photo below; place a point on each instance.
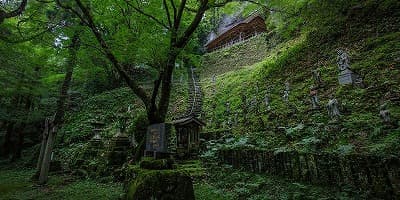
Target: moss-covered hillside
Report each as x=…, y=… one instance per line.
x=368, y=31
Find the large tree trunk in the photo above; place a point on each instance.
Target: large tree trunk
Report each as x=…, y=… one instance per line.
x=59, y=115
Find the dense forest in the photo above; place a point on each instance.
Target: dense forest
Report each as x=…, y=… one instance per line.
x=199, y=99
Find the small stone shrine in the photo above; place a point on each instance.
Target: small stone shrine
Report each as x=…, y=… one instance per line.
x=119, y=145
x=157, y=144
x=96, y=141
x=188, y=135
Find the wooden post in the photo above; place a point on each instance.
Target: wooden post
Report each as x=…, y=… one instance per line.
x=44, y=171
x=43, y=144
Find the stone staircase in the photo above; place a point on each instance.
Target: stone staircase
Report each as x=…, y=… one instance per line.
x=195, y=97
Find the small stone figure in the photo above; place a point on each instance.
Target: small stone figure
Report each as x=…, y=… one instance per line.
x=317, y=77
x=285, y=96
x=229, y=123
x=314, y=97
x=287, y=86
x=214, y=79
x=181, y=79
x=343, y=60
x=384, y=114
x=228, y=108
x=333, y=108
x=253, y=103
x=235, y=121
x=266, y=100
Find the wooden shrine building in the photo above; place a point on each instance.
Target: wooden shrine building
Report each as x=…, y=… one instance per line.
x=253, y=25
x=188, y=135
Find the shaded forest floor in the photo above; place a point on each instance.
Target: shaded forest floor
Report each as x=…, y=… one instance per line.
x=15, y=183
x=216, y=182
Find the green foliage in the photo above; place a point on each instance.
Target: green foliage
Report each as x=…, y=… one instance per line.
x=16, y=184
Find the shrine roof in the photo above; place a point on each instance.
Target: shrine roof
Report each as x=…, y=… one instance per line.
x=188, y=120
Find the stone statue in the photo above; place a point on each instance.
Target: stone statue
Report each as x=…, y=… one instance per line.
x=384, y=114
x=229, y=123
x=266, y=100
x=314, y=97
x=343, y=60
x=214, y=79
x=346, y=76
x=236, y=118
x=317, y=77
x=285, y=96
x=253, y=103
x=287, y=86
x=228, y=108
x=333, y=108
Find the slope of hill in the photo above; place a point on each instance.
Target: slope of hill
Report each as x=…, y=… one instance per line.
x=369, y=32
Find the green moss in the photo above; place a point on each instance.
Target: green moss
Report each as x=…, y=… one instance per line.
x=161, y=184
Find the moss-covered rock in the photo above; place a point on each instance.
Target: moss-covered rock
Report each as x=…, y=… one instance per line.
x=161, y=184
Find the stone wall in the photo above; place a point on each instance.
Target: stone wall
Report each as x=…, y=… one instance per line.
x=378, y=176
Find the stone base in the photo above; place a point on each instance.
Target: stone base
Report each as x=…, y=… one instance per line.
x=347, y=77
x=156, y=154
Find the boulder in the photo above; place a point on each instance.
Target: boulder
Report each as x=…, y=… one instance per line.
x=161, y=185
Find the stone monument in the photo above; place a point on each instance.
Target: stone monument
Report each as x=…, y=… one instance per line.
x=157, y=139
x=346, y=76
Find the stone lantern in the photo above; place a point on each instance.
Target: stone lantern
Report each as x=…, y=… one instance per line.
x=120, y=144
x=96, y=139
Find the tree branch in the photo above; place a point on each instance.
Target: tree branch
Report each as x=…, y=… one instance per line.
x=168, y=14
x=28, y=38
x=179, y=15
x=182, y=41
x=139, y=91
x=159, y=22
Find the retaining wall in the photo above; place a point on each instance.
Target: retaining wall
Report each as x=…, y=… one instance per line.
x=377, y=175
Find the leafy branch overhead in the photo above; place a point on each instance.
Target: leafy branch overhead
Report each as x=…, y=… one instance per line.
x=180, y=25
